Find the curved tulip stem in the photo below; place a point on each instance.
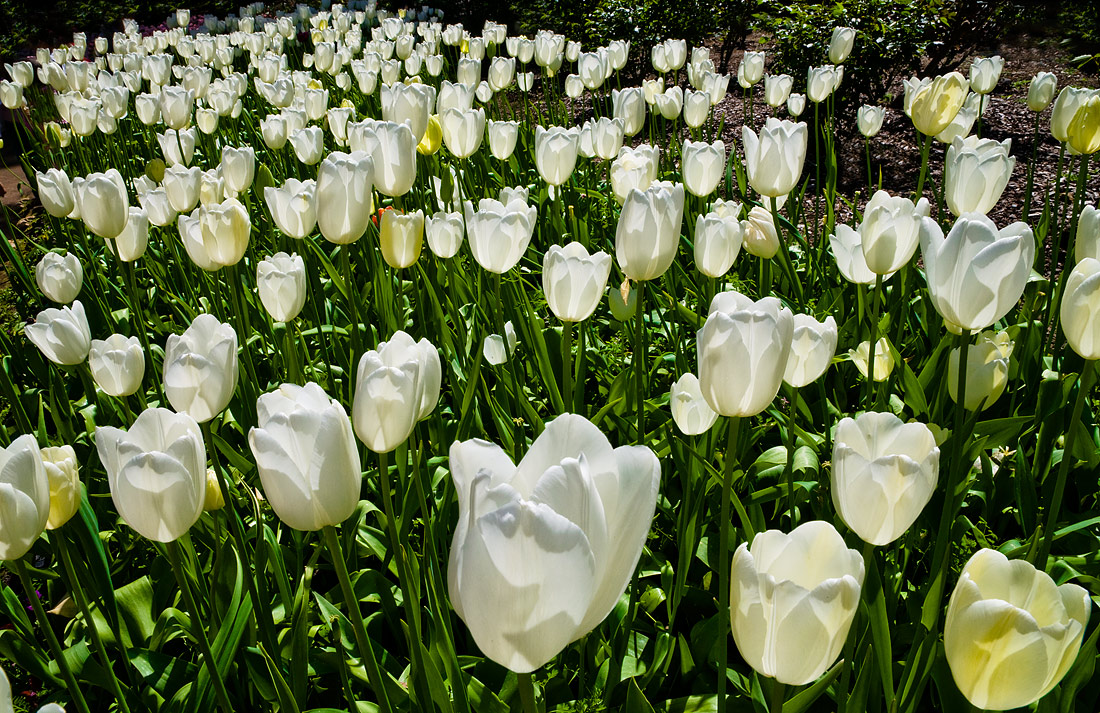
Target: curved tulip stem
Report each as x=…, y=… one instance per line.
x=366, y=651
x=1088, y=380
x=173, y=551
x=51, y=637
x=567, y=364
x=526, y=692
x=639, y=360
x=724, y=561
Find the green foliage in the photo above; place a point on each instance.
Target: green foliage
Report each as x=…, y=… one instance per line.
x=894, y=37
x=1080, y=31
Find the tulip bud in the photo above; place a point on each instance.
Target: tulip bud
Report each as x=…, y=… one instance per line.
x=759, y=237
x=648, y=232
x=796, y=104
x=59, y=277
x=690, y=411
x=306, y=457
x=813, y=345
x=718, y=240
x=156, y=472
x=634, y=168
x=793, y=598
x=774, y=159
x=1006, y=618
x=543, y=551
x=985, y=73
x=293, y=206
x=499, y=233
x=238, y=167
x=977, y=273
x=1080, y=310
x=502, y=138
x=751, y=68
x=444, y=232
x=986, y=370
x=696, y=108
x=1041, y=91
x=281, y=281
x=933, y=103
x=1087, y=243
x=630, y=106
x=976, y=173
x=573, y=281
x=703, y=166
x=103, y=202
x=743, y=351
x=55, y=191
x=841, y=43
x=890, y=231
x=869, y=119
x=117, y=364
x=24, y=496
x=200, y=368
x=555, y=153
x=396, y=385
x=214, y=498
x=62, y=335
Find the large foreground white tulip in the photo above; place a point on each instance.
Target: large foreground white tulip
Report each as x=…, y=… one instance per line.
x=544, y=550
x=24, y=497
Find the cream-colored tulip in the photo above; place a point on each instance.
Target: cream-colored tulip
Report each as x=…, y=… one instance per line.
x=690, y=411
x=401, y=237
x=813, y=345
x=884, y=358
x=63, y=472
x=987, y=362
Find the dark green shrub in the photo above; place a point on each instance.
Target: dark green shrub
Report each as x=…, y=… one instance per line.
x=1079, y=24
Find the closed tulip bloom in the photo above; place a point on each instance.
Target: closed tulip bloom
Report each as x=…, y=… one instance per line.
x=410, y=103
x=176, y=104
x=502, y=138
x=281, y=282
x=813, y=345
x=84, y=116
x=499, y=233
x=502, y=72
x=211, y=188
x=841, y=43
x=454, y=95
x=131, y=242
x=148, y=108
x=393, y=149
x=1087, y=243
x=1040, y=93
x=758, y=234
x=396, y=385
x=274, y=131
x=544, y=550
x=977, y=273
x=496, y=349
x=401, y=237
x=182, y=186
x=156, y=472
x=793, y=598
x=308, y=144
x=555, y=153
x=200, y=368
x=651, y=88
x=648, y=233
x=634, y=168
x=24, y=497
x=306, y=456
x=225, y=230
x=703, y=166
x=63, y=474
x=822, y=81
x=59, y=277
x=463, y=130
x=343, y=196
x=976, y=173
x=525, y=81
x=884, y=473
x=1011, y=634
x=690, y=411
x=960, y=127
x=607, y=137
x=751, y=68
x=630, y=106
x=796, y=104
x=117, y=364
x=716, y=86
x=468, y=72
x=206, y=120
x=933, y=103
x=103, y=202
x=11, y=94
x=55, y=192
x=717, y=242
x=574, y=281
x=293, y=206
x=987, y=363
x=890, y=231
x=884, y=358
x=669, y=103
x=1084, y=128
x=22, y=73
x=238, y=167
x=445, y=232
x=158, y=209
x=775, y=158
x=985, y=73
x=62, y=335
x=869, y=119
x=1080, y=310
x=1065, y=108
x=743, y=351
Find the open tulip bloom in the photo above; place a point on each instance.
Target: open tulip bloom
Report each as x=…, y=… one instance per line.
x=543, y=550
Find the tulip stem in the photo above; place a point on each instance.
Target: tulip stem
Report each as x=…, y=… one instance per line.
x=876, y=306
x=567, y=364
x=776, y=693
x=353, y=302
x=724, y=562
x=639, y=361
x=82, y=602
x=526, y=692
x=1087, y=381
x=1053, y=321
x=173, y=551
x=1026, y=212
x=51, y=637
x=790, y=443
x=925, y=149
x=366, y=651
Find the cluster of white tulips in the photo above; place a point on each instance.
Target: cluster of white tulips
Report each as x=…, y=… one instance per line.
x=239, y=213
